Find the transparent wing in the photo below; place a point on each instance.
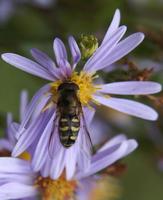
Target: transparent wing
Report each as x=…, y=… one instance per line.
x=86, y=132
x=54, y=143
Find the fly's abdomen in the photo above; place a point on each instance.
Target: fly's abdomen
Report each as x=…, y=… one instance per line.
x=68, y=130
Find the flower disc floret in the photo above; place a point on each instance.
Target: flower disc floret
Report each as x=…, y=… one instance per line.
x=59, y=189
x=85, y=84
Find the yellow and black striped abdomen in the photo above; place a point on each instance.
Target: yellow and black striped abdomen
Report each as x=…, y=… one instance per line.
x=68, y=130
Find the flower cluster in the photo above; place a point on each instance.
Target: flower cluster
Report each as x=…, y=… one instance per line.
x=55, y=130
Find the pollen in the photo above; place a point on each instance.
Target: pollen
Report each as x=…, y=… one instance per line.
x=25, y=156
x=86, y=86
x=59, y=189
x=54, y=90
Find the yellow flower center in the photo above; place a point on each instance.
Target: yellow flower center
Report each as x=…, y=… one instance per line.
x=85, y=84
x=106, y=188
x=59, y=189
x=25, y=156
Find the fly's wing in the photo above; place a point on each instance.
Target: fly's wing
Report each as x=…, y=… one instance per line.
x=85, y=146
x=54, y=144
x=86, y=135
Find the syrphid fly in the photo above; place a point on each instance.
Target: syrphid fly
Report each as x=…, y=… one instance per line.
x=69, y=111
x=69, y=119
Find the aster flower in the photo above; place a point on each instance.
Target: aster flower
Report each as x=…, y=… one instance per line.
x=7, y=144
x=44, y=128
x=18, y=174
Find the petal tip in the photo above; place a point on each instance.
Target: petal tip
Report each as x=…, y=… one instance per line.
x=141, y=36
x=118, y=12
x=4, y=56
x=134, y=143
x=154, y=117
x=14, y=154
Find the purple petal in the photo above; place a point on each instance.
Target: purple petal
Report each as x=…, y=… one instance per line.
x=107, y=157
x=14, y=177
x=23, y=103
x=59, y=50
x=30, y=134
x=10, y=134
x=114, y=141
x=31, y=107
x=15, y=190
x=9, y=119
x=58, y=164
x=121, y=49
x=99, y=130
x=113, y=26
x=103, y=52
x=46, y=168
x=27, y=65
x=132, y=145
x=42, y=146
x=41, y=105
x=131, y=88
x=85, y=148
x=14, y=165
x=88, y=115
x=71, y=161
x=129, y=107
x=12, y=131
x=65, y=68
x=5, y=145
x=75, y=51
x=46, y=62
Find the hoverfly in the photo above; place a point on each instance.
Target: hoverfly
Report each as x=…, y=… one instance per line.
x=69, y=109
x=68, y=119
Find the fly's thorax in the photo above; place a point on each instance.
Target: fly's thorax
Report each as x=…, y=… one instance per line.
x=68, y=102
x=80, y=86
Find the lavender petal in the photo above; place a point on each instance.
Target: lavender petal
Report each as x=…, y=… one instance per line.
x=31, y=107
x=71, y=161
x=58, y=164
x=122, y=48
x=114, y=141
x=59, y=50
x=23, y=103
x=113, y=26
x=65, y=68
x=107, y=157
x=128, y=107
x=27, y=65
x=103, y=52
x=18, y=191
x=14, y=165
x=42, y=146
x=75, y=51
x=88, y=115
x=10, y=134
x=131, y=88
x=29, y=135
x=46, y=62
x=5, y=145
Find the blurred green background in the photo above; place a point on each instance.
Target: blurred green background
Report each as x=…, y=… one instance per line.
x=28, y=24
